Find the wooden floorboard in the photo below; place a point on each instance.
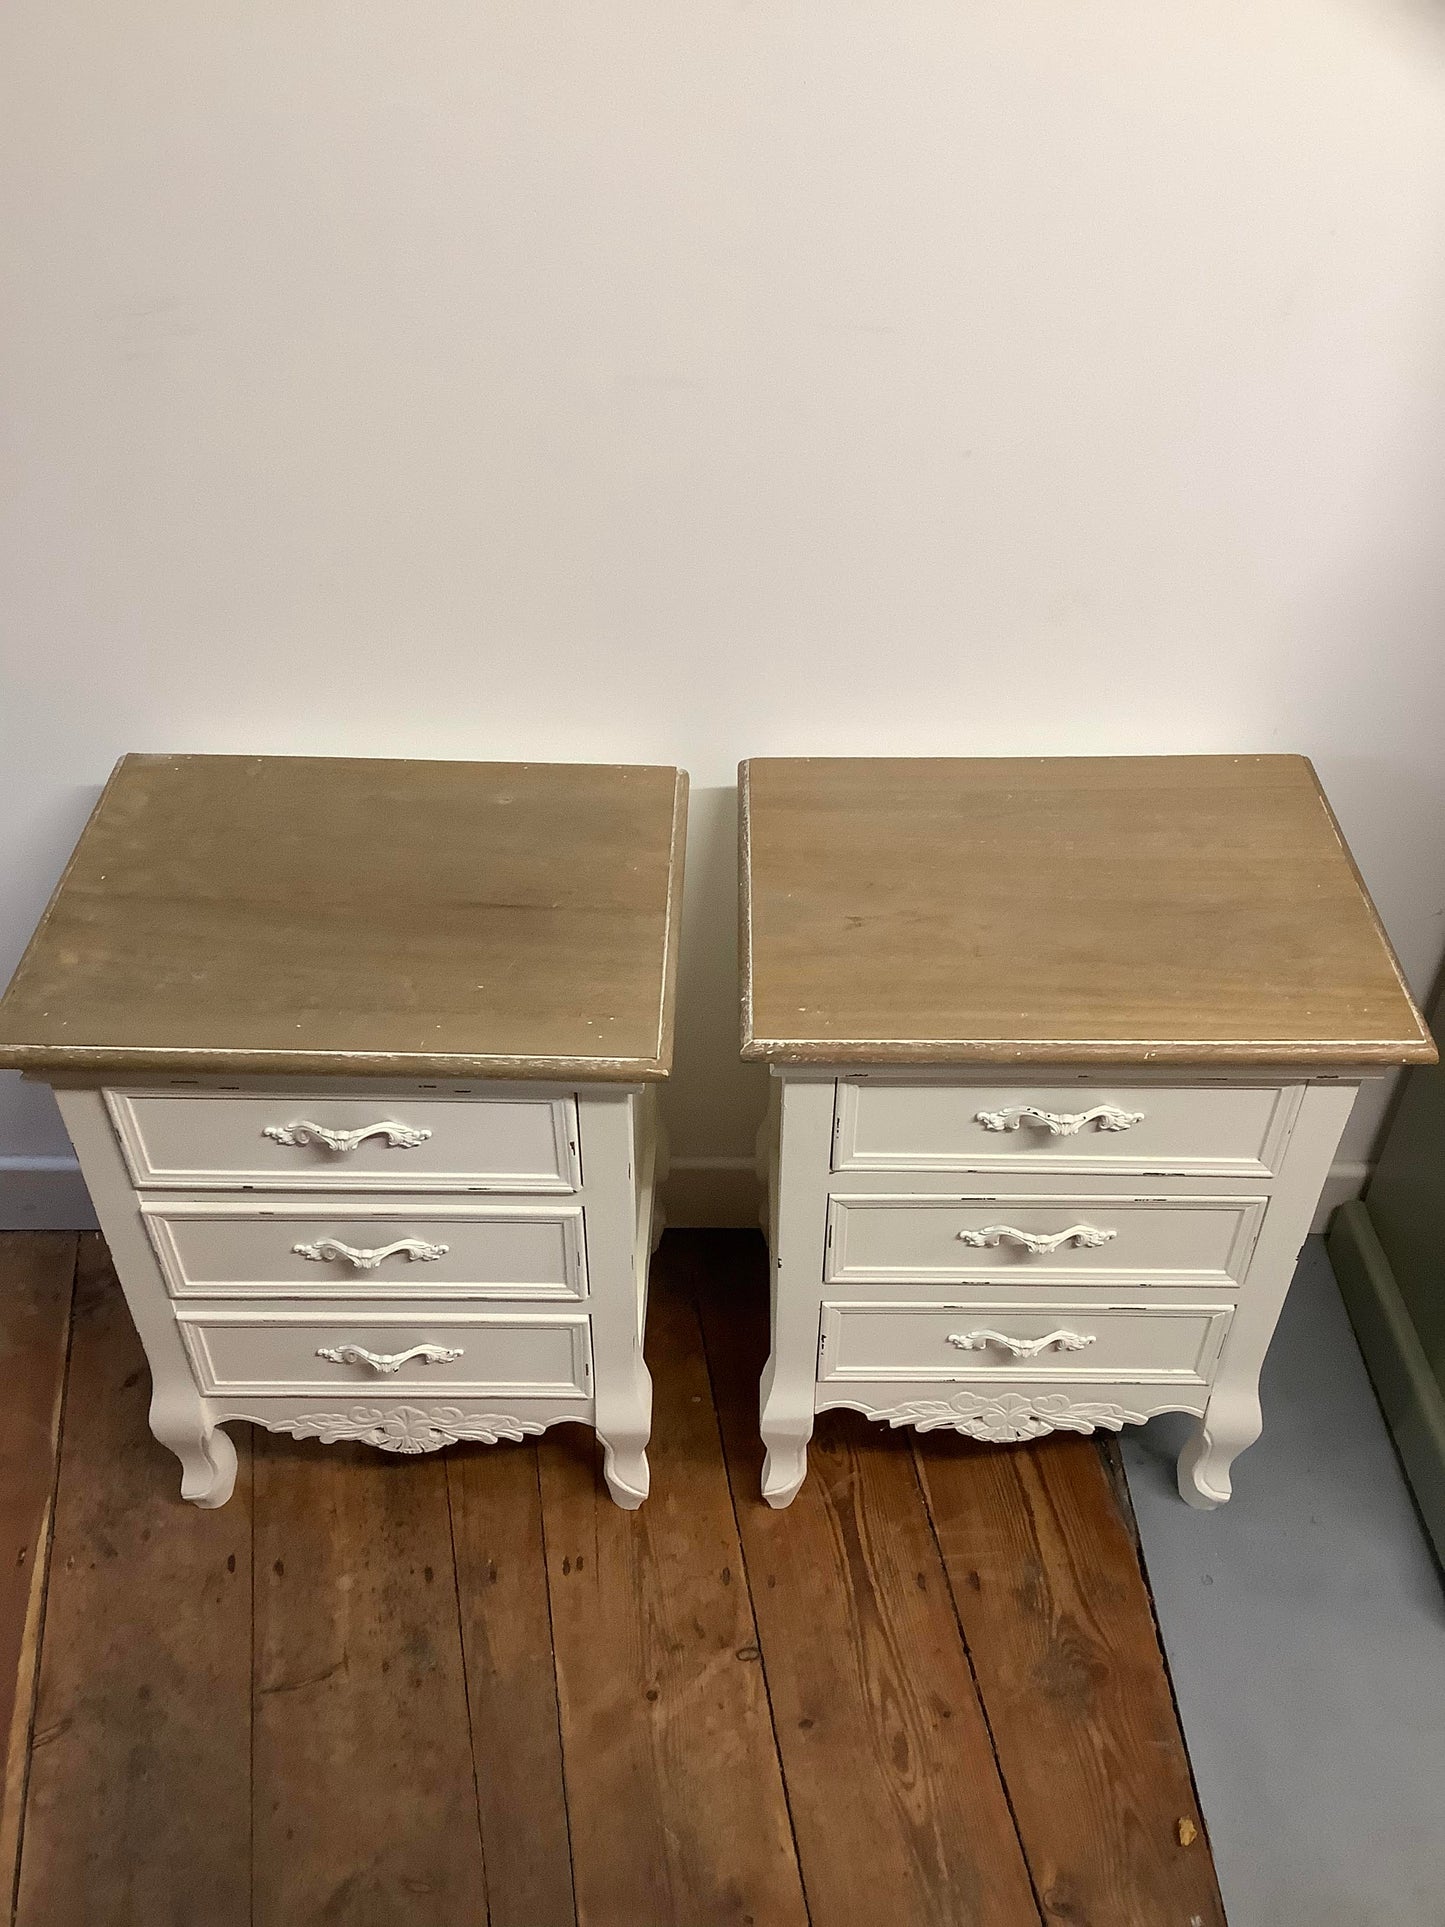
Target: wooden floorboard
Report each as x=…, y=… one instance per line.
x=37, y=1271
x=365, y=1802
x=899, y=1809
x=501, y=1580
x=677, y=1808
x=1053, y=1605
x=139, y=1799
x=475, y=1693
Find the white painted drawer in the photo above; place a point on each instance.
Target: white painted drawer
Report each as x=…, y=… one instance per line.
x=890, y=1124
x=356, y=1246
x=211, y=1141
x=1122, y=1343
x=1019, y=1239
x=248, y=1350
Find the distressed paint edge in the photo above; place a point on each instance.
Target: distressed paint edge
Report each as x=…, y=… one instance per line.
x=672, y=925
x=1358, y=1054
x=103, y=1060
x=751, y=1049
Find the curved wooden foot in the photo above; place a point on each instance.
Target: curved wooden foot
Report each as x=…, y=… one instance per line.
x=207, y=1456
x=786, y=1420
x=624, y=1467
x=785, y=1466
x=1213, y=1446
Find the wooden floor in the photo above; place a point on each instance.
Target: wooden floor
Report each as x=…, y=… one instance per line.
x=457, y=1690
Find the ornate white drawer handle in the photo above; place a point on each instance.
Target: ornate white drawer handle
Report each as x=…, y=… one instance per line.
x=1108, y=1117
x=386, y=1362
x=1088, y=1235
x=1020, y=1347
x=364, y=1260
x=401, y=1137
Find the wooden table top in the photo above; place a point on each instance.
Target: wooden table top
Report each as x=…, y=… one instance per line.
x=330, y=916
x=1189, y=910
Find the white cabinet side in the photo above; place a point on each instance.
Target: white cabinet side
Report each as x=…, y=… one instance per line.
x=179, y=1416
x=618, y=1241
x=799, y=1213
x=1232, y=1418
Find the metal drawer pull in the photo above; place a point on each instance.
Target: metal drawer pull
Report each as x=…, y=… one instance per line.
x=387, y=1362
x=1086, y=1235
x=364, y=1260
x=1108, y=1117
x=1020, y=1347
x=401, y=1137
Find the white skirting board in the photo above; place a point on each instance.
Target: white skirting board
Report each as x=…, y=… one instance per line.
x=47, y=1193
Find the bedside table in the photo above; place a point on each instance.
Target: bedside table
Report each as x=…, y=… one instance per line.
x=1062, y=1052
x=358, y=1058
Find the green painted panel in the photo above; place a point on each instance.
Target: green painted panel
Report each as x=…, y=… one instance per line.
x=1406, y=1200
x=1411, y=1395
x=1389, y=1256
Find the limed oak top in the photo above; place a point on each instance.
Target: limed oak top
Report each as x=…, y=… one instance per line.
x=305, y=915
x=1189, y=910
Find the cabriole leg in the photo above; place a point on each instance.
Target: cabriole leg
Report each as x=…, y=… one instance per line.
x=1228, y=1426
x=624, y=1465
x=617, y=1259
x=207, y=1456
x=799, y=1141
x=787, y=1425
x=179, y=1416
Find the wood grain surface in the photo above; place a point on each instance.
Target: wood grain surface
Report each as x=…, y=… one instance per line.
x=311, y=915
x=501, y=1583
x=1191, y=910
x=677, y=1806
x=139, y=1798
x=898, y=1806
x=474, y=1690
x=366, y=1808
x=1053, y=1606
x=37, y=1271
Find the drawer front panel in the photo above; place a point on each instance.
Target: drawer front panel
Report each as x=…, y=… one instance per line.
x=1060, y=1340
x=279, y=1351
x=1013, y=1240
x=888, y=1125
x=414, y=1248
x=228, y=1141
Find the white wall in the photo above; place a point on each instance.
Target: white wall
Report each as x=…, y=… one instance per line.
x=679, y=381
